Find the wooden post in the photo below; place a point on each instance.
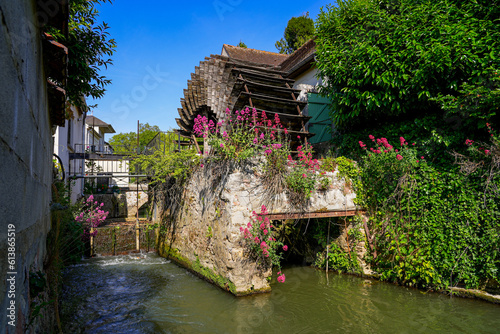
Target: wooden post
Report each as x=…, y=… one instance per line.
x=91, y=241
x=327, y=246
x=137, y=244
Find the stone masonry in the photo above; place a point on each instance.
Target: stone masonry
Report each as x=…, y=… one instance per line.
x=205, y=237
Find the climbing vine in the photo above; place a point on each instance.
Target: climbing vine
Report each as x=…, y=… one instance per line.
x=429, y=227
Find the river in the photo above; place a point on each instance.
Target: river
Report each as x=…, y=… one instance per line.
x=144, y=293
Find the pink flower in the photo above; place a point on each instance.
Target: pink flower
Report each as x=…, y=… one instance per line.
x=363, y=146
x=265, y=231
x=221, y=145
x=286, y=131
x=399, y=157
x=486, y=152
x=422, y=158
x=298, y=137
x=469, y=142
x=281, y=278
x=371, y=137
x=285, y=248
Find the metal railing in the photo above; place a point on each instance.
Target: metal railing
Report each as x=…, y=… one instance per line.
x=104, y=149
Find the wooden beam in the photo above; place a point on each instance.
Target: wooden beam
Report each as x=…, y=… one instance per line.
x=273, y=99
x=305, y=215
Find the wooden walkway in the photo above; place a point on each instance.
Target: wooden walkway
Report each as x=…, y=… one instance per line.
x=306, y=215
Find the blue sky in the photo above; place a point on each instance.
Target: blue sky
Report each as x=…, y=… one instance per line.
x=160, y=42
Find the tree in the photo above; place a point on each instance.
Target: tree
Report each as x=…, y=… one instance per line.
x=389, y=60
x=89, y=49
x=127, y=142
x=298, y=31
x=242, y=45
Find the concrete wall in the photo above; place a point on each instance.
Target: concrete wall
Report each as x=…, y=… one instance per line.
x=205, y=235
x=25, y=157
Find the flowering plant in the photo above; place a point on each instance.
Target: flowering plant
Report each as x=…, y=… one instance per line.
x=301, y=180
x=259, y=234
x=242, y=134
x=91, y=216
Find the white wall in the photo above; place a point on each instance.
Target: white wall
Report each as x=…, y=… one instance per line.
x=118, y=168
x=307, y=83
x=62, y=147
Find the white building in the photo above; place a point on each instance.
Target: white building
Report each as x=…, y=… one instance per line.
x=81, y=147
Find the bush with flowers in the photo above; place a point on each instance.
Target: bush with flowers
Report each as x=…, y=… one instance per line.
x=431, y=227
x=260, y=236
x=242, y=135
x=246, y=134
x=91, y=216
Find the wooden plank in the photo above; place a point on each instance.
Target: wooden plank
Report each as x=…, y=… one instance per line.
x=273, y=99
x=305, y=215
x=262, y=75
x=269, y=87
x=281, y=115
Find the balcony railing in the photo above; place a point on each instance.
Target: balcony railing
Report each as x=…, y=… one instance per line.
x=103, y=149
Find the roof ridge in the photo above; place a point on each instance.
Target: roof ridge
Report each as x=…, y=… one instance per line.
x=264, y=51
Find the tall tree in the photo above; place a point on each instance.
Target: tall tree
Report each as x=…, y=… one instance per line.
x=127, y=142
x=89, y=48
x=381, y=60
x=298, y=31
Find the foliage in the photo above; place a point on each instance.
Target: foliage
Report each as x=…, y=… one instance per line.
x=89, y=48
x=434, y=138
x=127, y=142
x=430, y=227
x=302, y=175
x=241, y=45
x=338, y=259
x=301, y=183
x=298, y=31
x=324, y=183
x=260, y=237
x=166, y=165
x=392, y=60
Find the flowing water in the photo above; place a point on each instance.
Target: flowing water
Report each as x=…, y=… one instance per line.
x=144, y=293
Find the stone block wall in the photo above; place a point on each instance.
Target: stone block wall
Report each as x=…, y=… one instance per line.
x=25, y=162
x=205, y=235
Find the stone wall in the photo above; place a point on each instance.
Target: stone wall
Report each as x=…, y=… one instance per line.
x=122, y=205
x=205, y=235
x=25, y=162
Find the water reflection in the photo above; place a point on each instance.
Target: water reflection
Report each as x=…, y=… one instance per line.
x=126, y=294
